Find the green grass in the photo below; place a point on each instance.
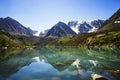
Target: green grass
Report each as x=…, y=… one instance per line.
x=64, y=40
x=7, y=41
x=94, y=39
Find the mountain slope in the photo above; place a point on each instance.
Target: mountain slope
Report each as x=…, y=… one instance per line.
x=13, y=27
x=85, y=27
x=108, y=35
x=60, y=30
x=112, y=24
x=6, y=40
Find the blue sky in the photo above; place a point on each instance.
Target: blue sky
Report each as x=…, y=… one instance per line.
x=43, y=14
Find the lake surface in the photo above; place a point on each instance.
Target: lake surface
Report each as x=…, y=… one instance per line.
x=58, y=63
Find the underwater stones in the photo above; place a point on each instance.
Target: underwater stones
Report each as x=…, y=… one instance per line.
x=98, y=77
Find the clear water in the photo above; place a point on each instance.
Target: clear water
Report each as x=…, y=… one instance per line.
x=58, y=63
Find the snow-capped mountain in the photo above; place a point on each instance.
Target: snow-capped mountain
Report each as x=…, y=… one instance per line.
x=43, y=33
x=36, y=33
x=85, y=27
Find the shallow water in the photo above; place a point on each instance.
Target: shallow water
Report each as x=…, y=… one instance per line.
x=58, y=64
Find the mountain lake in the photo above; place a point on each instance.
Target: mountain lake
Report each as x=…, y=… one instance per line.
x=59, y=63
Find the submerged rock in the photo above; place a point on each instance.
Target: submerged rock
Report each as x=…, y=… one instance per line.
x=98, y=77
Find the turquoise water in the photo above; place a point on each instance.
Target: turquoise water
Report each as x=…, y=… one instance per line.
x=58, y=64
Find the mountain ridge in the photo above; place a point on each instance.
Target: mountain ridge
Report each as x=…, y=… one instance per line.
x=13, y=27
x=60, y=30
x=111, y=24
x=85, y=27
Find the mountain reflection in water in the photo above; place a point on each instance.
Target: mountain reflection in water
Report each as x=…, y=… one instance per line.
x=59, y=64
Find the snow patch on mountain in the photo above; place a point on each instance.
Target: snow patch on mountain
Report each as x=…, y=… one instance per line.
x=37, y=33
x=43, y=33
x=85, y=27
x=75, y=29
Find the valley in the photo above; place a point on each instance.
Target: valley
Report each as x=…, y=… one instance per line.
x=94, y=34
x=59, y=40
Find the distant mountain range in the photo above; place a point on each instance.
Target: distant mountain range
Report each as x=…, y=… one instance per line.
x=74, y=27
x=13, y=27
x=85, y=27
x=61, y=29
